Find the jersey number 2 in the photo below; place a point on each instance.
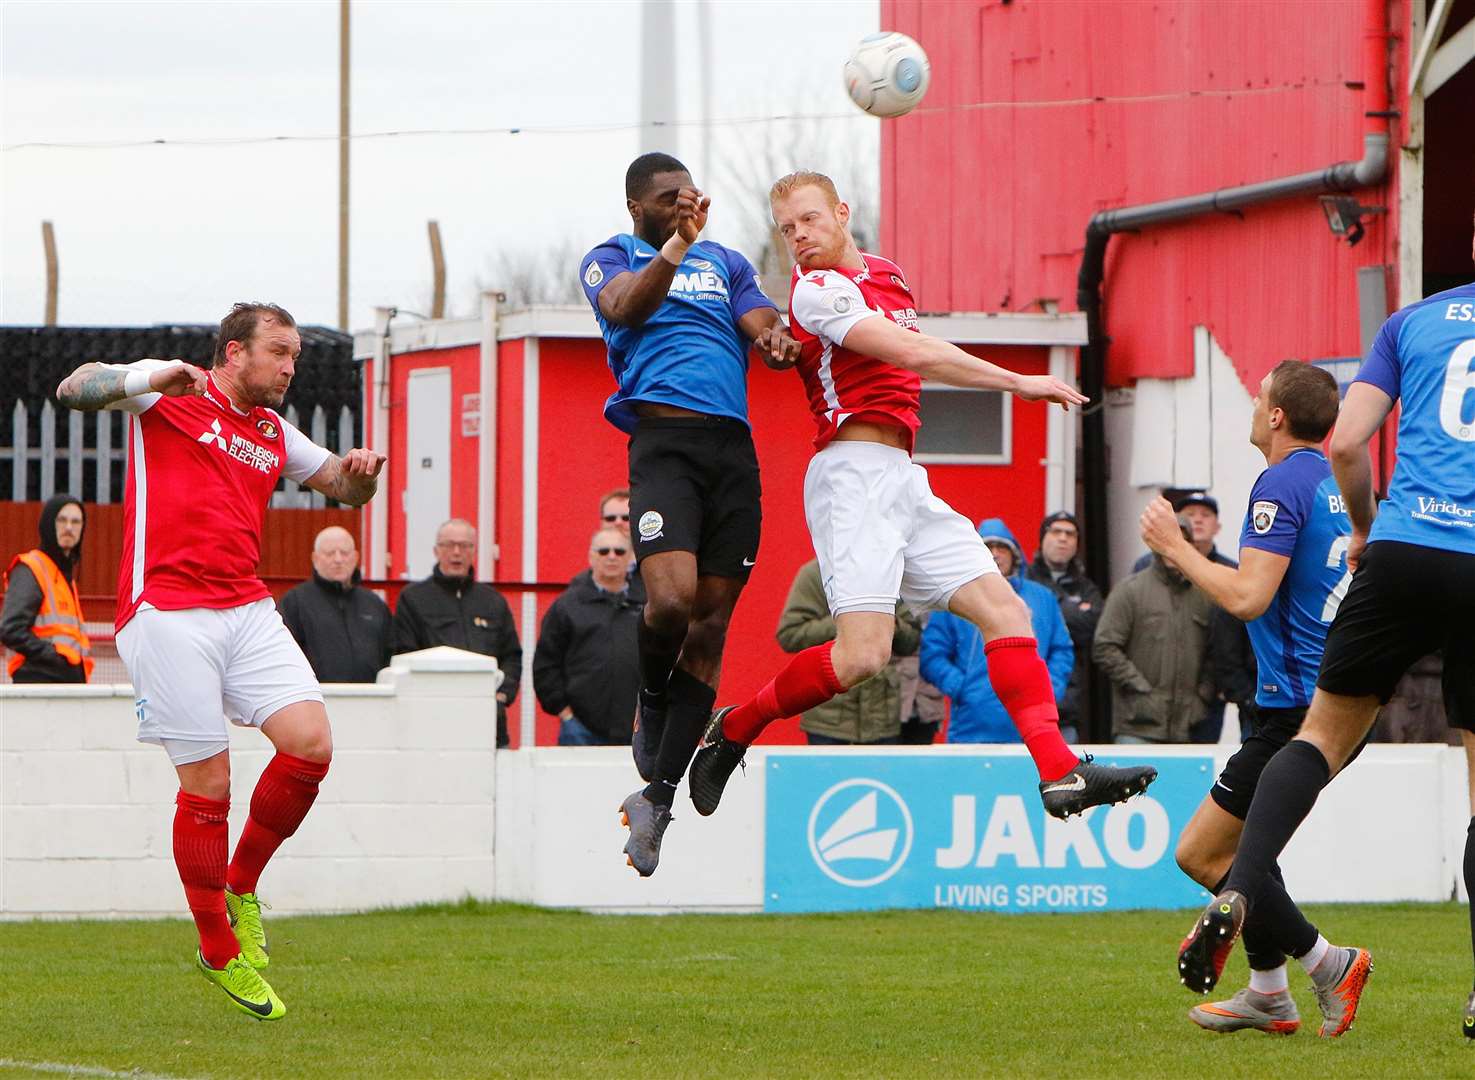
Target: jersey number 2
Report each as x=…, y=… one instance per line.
x=1459, y=380
x=1335, y=556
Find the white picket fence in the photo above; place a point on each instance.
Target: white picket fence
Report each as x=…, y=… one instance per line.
x=107, y=460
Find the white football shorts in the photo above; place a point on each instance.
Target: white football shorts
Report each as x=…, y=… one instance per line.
x=194, y=669
x=881, y=535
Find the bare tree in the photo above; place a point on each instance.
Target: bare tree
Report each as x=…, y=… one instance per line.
x=529, y=276
x=779, y=147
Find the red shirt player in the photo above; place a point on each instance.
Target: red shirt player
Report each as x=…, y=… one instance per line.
x=197, y=628
x=878, y=530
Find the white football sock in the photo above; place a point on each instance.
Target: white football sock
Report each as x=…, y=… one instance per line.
x=1316, y=955
x=1269, y=982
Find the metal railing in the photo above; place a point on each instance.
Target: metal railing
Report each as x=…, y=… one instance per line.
x=66, y=466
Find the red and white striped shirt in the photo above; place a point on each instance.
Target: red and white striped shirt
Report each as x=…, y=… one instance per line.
x=200, y=475
x=842, y=384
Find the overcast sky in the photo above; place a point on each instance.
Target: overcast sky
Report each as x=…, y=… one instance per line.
x=175, y=233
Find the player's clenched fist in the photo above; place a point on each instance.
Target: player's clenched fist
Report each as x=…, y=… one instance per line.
x=691, y=213
x=1049, y=388
x=179, y=380
x=777, y=347
x=361, y=462
x=1160, y=528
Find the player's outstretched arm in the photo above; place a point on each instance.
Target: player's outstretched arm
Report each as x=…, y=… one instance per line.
x=1244, y=592
x=96, y=386
x=351, y=479
x=1362, y=413
x=633, y=297
x=941, y=361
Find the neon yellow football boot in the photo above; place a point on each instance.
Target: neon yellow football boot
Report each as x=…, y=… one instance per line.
x=244, y=912
x=245, y=987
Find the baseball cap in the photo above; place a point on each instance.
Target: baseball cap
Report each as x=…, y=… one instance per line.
x=1197, y=498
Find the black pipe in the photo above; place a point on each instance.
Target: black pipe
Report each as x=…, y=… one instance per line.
x=1343, y=176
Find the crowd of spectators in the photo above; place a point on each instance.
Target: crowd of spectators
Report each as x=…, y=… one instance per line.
x=1155, y=661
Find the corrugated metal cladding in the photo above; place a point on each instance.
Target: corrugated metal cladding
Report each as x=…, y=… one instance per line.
x=986, y=193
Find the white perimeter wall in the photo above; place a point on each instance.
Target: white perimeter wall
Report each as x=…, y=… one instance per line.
x=419, y=806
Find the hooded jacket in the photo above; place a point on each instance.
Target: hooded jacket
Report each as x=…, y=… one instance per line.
x=345, y=631
x=23, y=598
x=588, y=655
x=1081, y=603
x=953, y=658
x=1150, y=643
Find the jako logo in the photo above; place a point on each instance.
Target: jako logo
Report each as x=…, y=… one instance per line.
x=856, y=827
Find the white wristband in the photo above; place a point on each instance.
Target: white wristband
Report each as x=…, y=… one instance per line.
x=681, y=248
x=136, y=383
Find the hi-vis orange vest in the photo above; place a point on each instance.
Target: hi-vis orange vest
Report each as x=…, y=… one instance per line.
x=60, y=617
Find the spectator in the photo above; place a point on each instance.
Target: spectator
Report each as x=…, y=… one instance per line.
x=345, y=631
x=923, y=707
x=586, y=668
x=1231, y=663
x=1150, y=643
x=614, y=510
x=1058, y=568
x=867, y=713
x=1416, y=712
x=953, y=657
x=41, y=621
x=452, y=608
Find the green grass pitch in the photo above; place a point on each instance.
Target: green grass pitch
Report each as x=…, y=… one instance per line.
x=481, y=990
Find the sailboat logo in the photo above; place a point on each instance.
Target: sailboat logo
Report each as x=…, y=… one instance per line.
x=860, y=832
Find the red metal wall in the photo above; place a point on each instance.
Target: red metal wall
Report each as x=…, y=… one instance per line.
x=986, y=204
x=464, y=364
x=582, y=456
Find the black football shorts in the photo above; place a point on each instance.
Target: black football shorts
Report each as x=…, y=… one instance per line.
x=1405, y=601
x=694, y=487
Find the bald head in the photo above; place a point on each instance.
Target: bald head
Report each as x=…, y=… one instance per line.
x=334, y=555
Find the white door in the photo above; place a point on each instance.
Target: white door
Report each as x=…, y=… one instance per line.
x=427, y=498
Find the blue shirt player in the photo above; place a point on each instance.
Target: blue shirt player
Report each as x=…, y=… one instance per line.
x=1291, y=578
x=679, y=316
x=1412, y=591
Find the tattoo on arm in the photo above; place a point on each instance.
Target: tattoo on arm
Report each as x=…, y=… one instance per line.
x=333, y=482
x=91, y=387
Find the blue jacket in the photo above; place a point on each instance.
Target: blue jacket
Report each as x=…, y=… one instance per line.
x=953, y=659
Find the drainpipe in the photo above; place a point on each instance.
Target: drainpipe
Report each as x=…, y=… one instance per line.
x=1370, y=171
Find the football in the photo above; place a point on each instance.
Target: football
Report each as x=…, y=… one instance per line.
x=887, y=74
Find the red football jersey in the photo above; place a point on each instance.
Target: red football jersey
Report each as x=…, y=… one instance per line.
x=823, y=306
x=200, y=475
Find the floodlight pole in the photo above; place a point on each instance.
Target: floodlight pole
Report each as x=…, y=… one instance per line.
x=343, y=84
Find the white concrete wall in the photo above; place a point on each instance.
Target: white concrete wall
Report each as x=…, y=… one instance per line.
x=404, y=816
x=1392, y=828
x=1190, y=433
x=420, y=807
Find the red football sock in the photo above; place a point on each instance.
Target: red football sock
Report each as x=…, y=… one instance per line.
x=806, y=681
x=1022, y=682
x=201, y=841
x=283, y=795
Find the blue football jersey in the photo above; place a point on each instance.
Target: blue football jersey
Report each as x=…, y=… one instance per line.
x=1296, y=511
x=1424, y=356
x=690, y=353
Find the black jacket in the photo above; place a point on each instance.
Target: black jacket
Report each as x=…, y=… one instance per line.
x=588, y=655
x=1080, y=603
x=346, y=632
x=466, y=614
